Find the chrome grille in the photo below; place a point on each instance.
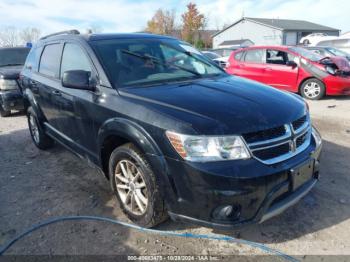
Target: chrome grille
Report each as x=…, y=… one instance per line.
x=280, y=143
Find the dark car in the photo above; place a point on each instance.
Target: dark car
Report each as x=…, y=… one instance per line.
x=173, y=133
x=328, y=51
x=11, y=63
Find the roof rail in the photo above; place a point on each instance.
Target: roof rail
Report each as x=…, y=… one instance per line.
x=67, y=32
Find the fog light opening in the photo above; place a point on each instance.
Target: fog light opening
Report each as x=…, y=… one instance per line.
x=227, y=212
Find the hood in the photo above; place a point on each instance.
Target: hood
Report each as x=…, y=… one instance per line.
x=225, y=105
x=10, y=72
x=341, y=62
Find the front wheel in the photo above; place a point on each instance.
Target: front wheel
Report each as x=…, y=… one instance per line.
x=135, y=186
x=306, y=42
x=3, y=112
x=313, y=89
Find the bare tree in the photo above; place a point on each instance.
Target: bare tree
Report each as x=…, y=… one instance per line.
x=30, y=35
x=162, y=22
x=9, y=36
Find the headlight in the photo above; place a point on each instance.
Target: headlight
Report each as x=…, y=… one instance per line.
x=208, y=148
x=316, y=136
x=8, y=84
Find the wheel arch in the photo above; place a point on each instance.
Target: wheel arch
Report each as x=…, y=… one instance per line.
x=118, y=131
x=308, y=78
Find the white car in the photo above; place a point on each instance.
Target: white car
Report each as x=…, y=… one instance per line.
x=222, y=61
x=315, y=38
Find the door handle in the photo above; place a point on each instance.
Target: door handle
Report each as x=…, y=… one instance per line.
x=56, y=93
x=268, y=69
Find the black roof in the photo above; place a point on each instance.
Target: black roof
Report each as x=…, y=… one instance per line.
x=105, y=36
x=285, y=24
x=236, y=42
x=15, y=47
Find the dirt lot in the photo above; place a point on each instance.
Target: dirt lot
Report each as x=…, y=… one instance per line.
x=37, y=185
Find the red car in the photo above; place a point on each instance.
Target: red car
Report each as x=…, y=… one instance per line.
x=294, y=69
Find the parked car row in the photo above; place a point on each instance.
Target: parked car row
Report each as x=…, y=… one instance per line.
x=11, y=63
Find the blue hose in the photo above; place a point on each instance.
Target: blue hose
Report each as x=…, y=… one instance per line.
x=264, y=248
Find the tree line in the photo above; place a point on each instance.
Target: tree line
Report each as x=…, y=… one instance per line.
x=191, y=29
x=11, y=36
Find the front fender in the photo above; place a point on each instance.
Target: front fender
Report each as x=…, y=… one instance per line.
x=138, y=135
x=30, y=101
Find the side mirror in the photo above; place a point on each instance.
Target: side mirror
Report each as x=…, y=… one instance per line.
x=292, y=64
x=78, y=79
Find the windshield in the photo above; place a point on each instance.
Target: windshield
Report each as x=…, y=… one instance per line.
x=306, y=53
x=132, y=62
x=13, y=56
x=338, y=52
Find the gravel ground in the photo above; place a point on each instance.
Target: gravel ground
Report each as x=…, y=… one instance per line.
x=37, y=185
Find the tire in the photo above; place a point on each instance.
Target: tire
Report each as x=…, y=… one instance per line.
x=40, y=139
x=4, y=113
x=136, y=190
x=306, y=42
x=313, y=89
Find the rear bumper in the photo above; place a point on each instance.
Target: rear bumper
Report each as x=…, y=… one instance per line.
x=260, y=193
x=336, y=85
x=11, y=100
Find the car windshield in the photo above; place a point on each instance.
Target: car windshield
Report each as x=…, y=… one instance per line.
x=337, y=52
x=306, y=53
x=135, y=62
x=13, y=56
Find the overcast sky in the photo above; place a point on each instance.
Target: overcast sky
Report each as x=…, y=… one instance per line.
x=131, y=16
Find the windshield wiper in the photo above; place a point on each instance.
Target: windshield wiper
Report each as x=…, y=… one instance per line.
x=156, y=60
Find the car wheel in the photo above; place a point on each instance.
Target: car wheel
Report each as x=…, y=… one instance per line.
x=40, y=139
x=136, y=188
x=306, y=42
x=313, y=89
x=3, y=112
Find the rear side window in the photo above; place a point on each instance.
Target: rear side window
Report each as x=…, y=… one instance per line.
x=32, y=60
x=74, y=58
x=254, y=56
x=50, y=60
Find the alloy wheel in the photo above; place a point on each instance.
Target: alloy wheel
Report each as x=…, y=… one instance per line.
x=34, y=128
x=131, y=187
x=312, y=90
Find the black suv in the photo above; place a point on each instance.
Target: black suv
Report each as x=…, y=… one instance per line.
x=11, y=63
x=173, y=133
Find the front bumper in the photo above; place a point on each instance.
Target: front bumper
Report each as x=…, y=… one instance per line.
x=11, y=100
x=255, y=191
x=336, y=85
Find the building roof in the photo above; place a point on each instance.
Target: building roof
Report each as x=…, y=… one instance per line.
x=285, y=24
x=235, y=42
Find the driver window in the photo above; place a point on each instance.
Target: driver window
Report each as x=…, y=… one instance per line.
x=276, y=57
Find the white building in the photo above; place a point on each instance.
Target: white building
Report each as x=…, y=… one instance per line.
x=263, y=31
